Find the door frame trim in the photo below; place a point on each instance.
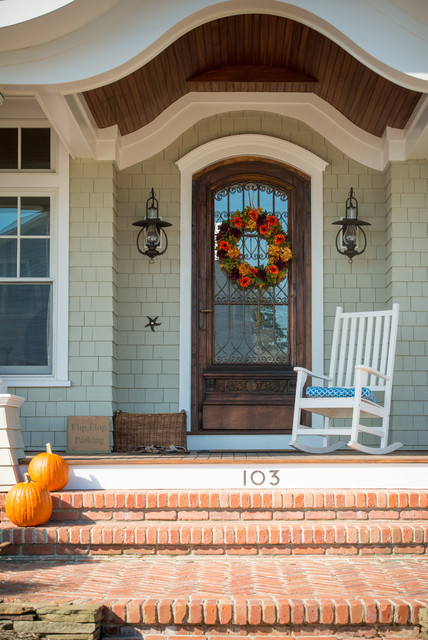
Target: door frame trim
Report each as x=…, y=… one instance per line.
x=262, y=146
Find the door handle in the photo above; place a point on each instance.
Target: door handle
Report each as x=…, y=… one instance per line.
x=202, y=310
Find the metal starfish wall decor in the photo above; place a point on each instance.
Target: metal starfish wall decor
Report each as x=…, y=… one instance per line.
x=152, y=322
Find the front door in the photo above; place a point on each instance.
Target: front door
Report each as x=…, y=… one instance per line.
x=246, y=340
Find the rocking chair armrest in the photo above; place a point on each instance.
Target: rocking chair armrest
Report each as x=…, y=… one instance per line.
x=312, y=374
x=372, y=372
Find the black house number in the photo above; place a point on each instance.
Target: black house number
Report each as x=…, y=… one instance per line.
x=258, y=478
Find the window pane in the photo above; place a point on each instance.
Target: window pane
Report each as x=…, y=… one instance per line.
x=35, y=216
x=35, y=149
x=25, y=335
x=34, y=258
x=8, y=148
x=8, y=216
x=8, y=258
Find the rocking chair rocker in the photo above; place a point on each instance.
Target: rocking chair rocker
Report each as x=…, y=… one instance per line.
x=361, y=370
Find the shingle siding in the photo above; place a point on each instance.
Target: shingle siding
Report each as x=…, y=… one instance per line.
x=115, y=361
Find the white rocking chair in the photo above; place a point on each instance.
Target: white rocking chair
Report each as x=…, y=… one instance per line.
x=362, y=363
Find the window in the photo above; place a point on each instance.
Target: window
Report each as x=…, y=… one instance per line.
x=25, y=286
x=25, y=148
x=34, y=208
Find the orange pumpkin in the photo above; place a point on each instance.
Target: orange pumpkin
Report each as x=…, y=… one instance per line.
x=50, y=469
x=28, y=503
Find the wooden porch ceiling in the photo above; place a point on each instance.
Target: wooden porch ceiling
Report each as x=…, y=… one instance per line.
x=253, y=52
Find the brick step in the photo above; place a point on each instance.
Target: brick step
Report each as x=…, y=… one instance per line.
x=239, y=505
x=217, y=538
x=154, y=598
x=310, y=634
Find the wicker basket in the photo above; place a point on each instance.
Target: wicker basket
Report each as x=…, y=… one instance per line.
x=132, y=430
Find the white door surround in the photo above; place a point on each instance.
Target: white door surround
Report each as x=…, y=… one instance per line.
x=262, y=146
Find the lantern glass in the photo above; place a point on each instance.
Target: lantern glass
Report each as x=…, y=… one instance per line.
x=352, y=212
x=350, y=236
x=152, y=236
x=152, y=212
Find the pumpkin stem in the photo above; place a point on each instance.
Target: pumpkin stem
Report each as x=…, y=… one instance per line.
x=27, y=478
x=48, y=447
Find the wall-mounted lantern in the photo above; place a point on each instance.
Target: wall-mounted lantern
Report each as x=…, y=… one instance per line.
x=351, y=240
x=149, y=239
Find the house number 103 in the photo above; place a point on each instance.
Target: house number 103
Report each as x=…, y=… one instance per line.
x=258, y=478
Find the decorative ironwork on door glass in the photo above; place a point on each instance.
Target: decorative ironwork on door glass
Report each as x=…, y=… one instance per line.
x=250, y=326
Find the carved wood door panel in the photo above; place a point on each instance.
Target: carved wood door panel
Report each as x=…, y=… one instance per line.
x=245, y=342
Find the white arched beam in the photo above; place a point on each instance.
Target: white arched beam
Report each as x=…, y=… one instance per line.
x=357, y=144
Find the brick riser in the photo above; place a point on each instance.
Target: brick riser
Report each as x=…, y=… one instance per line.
x=228, y=523
x=269, y=616
x=238, y=505
x=186, y=538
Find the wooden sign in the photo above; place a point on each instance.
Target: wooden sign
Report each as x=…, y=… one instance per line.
x=89, y=434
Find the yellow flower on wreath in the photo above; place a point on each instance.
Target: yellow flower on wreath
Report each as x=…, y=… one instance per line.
x=276, y=252
x=234, y=253
x=244, y=268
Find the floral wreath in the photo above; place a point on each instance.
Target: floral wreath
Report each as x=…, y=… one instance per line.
x=270, y=229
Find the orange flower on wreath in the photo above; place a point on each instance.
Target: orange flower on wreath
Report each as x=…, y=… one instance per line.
x=223, y=244
x=237, y=222
x=272, y=221
x=263, y=229
x=253, y=214
x=280, y=238
x=253, y=271
x=273, y=269
x=244, y=281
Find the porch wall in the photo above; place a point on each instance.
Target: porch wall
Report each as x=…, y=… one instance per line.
x=147, y=362
x=118, y=362
x=407, y=283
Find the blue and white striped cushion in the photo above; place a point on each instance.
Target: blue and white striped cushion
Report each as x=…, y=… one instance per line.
x=338, y=392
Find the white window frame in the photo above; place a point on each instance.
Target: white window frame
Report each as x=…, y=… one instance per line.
x=52, y=182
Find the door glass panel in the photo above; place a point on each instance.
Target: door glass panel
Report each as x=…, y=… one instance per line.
x=250, y=326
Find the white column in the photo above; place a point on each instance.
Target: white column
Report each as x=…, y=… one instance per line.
x=11, y=442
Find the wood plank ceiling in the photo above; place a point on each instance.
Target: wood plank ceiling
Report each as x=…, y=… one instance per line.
x=253, y=53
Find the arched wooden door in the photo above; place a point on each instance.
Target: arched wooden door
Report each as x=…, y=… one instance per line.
x=246, y=342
